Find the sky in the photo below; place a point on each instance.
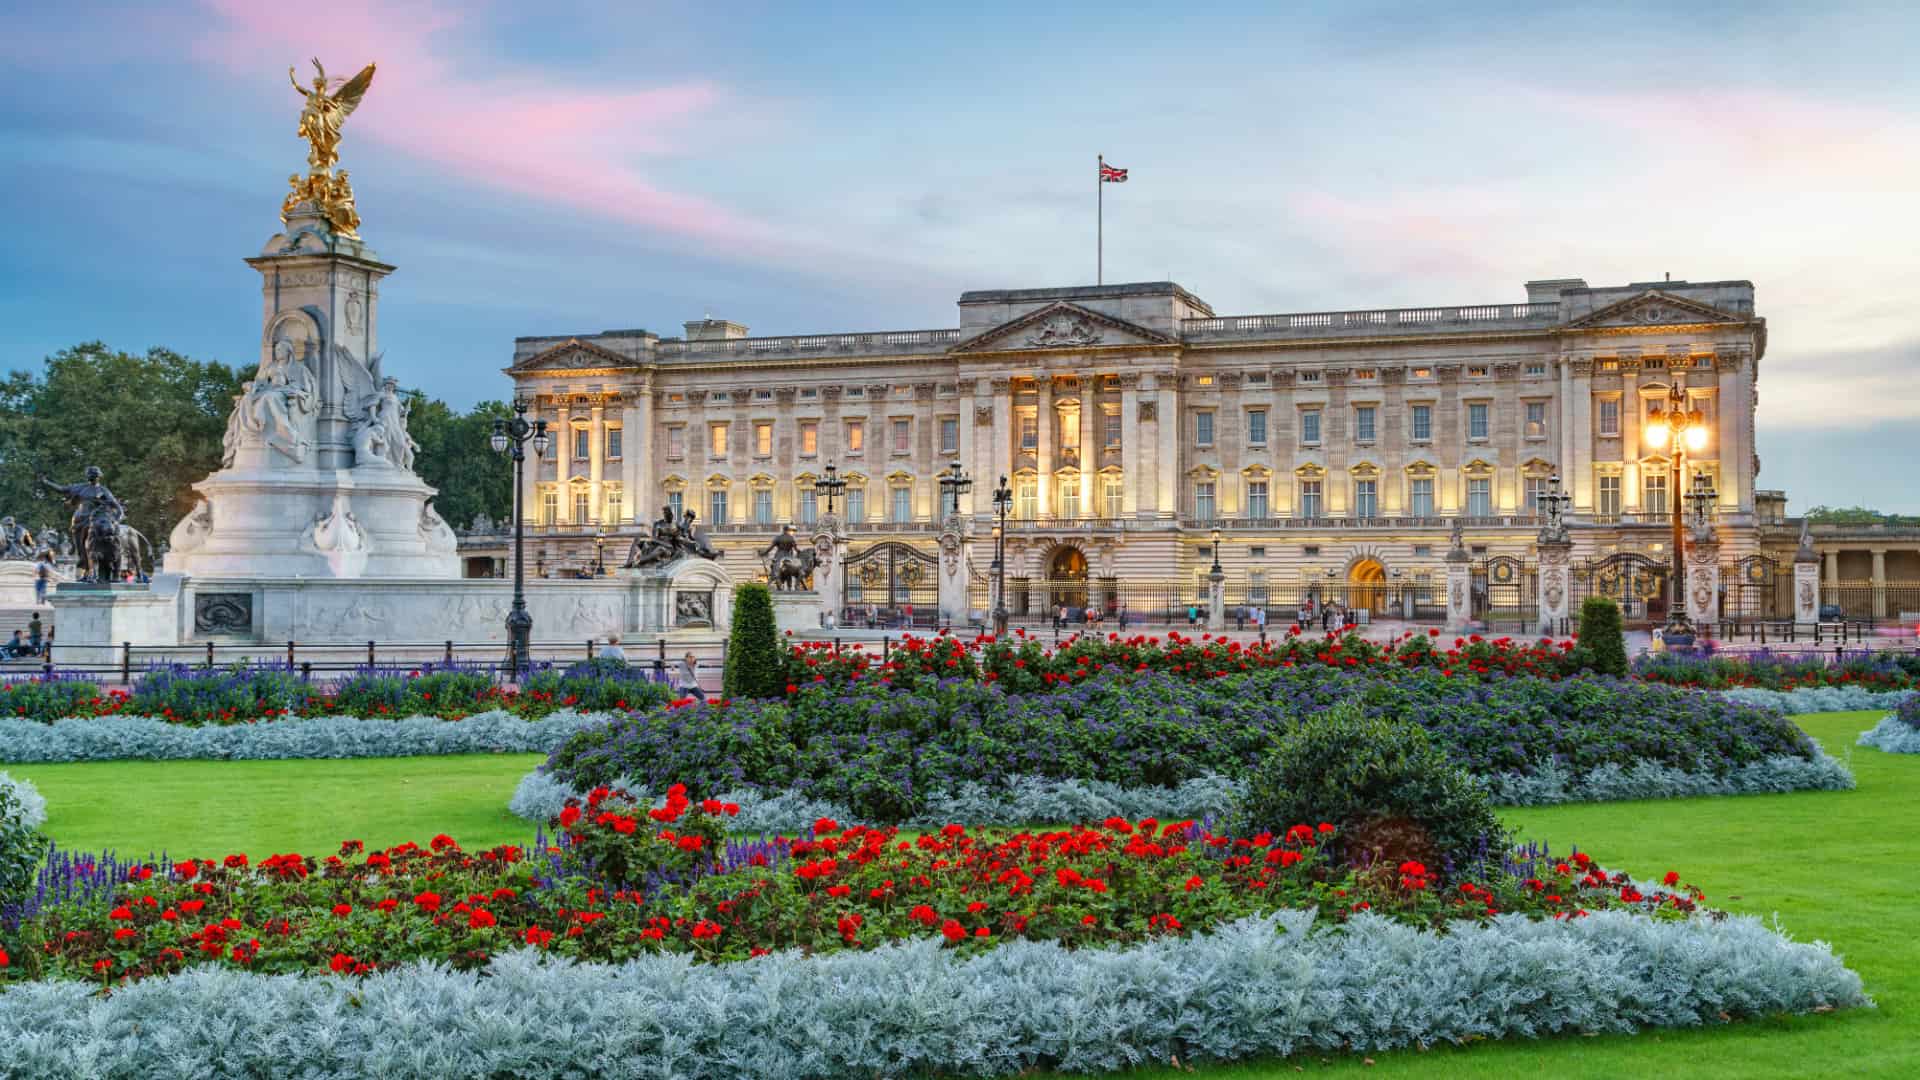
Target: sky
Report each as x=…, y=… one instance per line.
x=565, y=167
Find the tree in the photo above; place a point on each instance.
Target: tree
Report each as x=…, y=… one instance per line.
x=753, y=668
x=152, y=423
x=1857, y=515
x=454, y=457
x=1603, y=647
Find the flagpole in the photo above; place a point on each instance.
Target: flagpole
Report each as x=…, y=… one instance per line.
x=1100, y=220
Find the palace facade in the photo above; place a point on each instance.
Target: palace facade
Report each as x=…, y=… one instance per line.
x=1331, y=451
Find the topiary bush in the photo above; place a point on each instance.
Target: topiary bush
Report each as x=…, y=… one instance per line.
x=1392, y=794
x=755, y=667
x=1603, y=647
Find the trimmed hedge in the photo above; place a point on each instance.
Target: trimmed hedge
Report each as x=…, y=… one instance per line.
x=1603, y=647
x=1812, y=699
x=142, y=738
x=754, y=666
x=1261, y=986
x=1898, y=733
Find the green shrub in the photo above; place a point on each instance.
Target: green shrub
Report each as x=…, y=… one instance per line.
x=22, y=848
x=1603, y=648
x=754, y=667
x=1392, y=794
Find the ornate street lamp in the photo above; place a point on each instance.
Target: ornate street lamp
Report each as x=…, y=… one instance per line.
x=1701, y=499
x=1679, y=430
x=510, y=437
x=1554, y=504
x=830, y=487
x=1215, y=572
x=1002, y=501
x=953, y=484
x=599, y=552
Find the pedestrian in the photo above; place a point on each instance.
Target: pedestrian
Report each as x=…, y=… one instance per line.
x=16, y=647
x=35, y=635
x=613, y=651
x=1240, y=617
x=42, y=578
x=686, y=679
x=1123, y=618
x=907, y=621
x=1193, y=615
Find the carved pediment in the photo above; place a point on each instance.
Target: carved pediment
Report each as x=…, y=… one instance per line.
x=1650, y=309
x=574, y=355
x=1062, y=326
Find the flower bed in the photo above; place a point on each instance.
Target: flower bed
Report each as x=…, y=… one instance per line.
x=856, y=951
x=886, y=754
x=1871, y=671
x=246, y=694
x=1898, y=732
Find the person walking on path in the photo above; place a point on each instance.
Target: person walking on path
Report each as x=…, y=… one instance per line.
x=613, y=651
x=42, y=578
x=686, y=678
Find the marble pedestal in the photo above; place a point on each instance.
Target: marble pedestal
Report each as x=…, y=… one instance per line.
x=1216, y=602
x=16, y=582
x=1703, y=586
x=1556, y=576
x=798, y=613
x=1459, y=594
x=1806, y=591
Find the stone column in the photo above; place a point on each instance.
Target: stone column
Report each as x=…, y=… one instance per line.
x=1833, y=567
x=969, y=446
x=642, y=485
x=529, y=493
x=1043, y=419
x=1129, y=444
x=1089, y=456
x=1703, y=585
x=1879, y=581
x=828, y=571
x=1578, y=468
x=1459, y=589
x=1731, y=413
x=1167, y=463
x=1556, y=577
x=1216, y=601
x=563, y=459
x=1002, y=440
x=596, y=462
x=953, y=572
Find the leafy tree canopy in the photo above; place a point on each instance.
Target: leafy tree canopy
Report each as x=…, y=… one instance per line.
x=1858, y=515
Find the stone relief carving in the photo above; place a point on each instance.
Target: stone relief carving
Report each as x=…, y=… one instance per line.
x=356, y=310
x=1459, y=596
x=1553, y=587
x=950, y=552
x=193, y=529
x=435, y=532
x=1149, y=411
x=1063, y=329
x=336, y=534
x=692, y=608
x=1806, y=596
x=983, y=414
x=223, y=613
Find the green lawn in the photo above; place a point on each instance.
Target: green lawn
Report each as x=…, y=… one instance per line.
x=1836, y=866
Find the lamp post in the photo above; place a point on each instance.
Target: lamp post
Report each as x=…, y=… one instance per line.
x=1554, y=503
x=510, y=437
x=1679, y=430
x=1002, y=500
x=953, y=484
x=830, y=487
x=599, y=552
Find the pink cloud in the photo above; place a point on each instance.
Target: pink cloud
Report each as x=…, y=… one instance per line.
x=519, y=134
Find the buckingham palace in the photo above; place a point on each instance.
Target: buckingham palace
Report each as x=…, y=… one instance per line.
x=1331, y=453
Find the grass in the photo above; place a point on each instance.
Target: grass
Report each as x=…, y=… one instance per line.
x=1834, y=866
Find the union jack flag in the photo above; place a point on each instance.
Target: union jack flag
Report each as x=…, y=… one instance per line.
x=1111, y=175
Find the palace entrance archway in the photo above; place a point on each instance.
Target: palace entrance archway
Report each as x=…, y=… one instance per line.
x=1367, y=586
x=1067, y=578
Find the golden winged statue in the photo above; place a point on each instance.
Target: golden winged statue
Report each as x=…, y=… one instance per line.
x=320, y=123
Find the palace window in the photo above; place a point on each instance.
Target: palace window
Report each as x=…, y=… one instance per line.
x=1421, y=373
x=1653, y=489
x=1257, y=499
x=582, y=444
x=902, y=436
x=1203, y=500
x=1536, y=420
x=615, y=506
x=1256, y=586
x=1422, y=422
x=1479, y=496
x=550, y=507
x=808, y=393
x=1110, y=415
x=1114, y=494
x=613, y=444
x=1310, y=428
x=1257, y=427
x=582, y=506
x=1310, y=376
x=717, y=507
x=1608, y=500
x=1366, y=499
x=1420, y=496
x=856, y=505
x=1027, y=499
x=1364, y=374
x=1203, y=428
x=1609, y=417
x=717, y=440
x=949, y=434
x=676, y=442
x=722, y=395
x=763, y=507
x=1070, y=430
x=1535, y=487
x=1203, y=380
x=676, y=502
x=1363, y=424
x=902, y=504
x=856, y=436
x=1477, y=420
x=1309, y=498
x=763, y=395
x=809, y=505
x=1536, y=369
x=1069, y=498
x=1029, y=430
x=1422, y=551
x=1476, y=371
x=763, y=439
x=809, y=438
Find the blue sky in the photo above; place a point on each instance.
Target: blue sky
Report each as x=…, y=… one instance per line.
x=564, y=167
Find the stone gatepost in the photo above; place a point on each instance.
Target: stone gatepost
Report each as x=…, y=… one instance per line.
x=1703, y=583
x=1556, y=578
x=829, y=571
x=953, y=572
x=1216, y=600
x=1459, y=583
x=1806, y=580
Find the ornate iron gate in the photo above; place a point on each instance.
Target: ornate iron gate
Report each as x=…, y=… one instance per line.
x=1638, y=583
x=1755, y=589
x=889, y=577
x=1505, y=588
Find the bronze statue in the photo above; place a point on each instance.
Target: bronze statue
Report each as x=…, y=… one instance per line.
x=96, y=524
x=790, y=567
x=320, y=123
x=670, y=539
x=16, y=542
